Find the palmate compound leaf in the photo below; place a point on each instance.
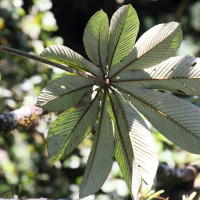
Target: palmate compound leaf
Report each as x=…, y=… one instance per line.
x=123, y=31
x=71, y=127
x=66, y=56
x=95, y=39
x=101, y=156
x=154, y=46
x=134, y=148
x=179, y=74
x=177, y=119
x=64, y=92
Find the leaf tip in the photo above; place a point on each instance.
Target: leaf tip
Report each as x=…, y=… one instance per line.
x=51, y=163
x=82, y=193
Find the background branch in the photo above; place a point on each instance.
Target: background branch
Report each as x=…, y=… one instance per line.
x=181, y=175
x=26, y=116
x=177, y=182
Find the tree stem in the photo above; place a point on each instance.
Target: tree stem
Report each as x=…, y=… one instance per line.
x=87, y=75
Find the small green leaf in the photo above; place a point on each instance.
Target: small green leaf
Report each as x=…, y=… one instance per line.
x=191, y=197
x=146, y=191
x=155, y=194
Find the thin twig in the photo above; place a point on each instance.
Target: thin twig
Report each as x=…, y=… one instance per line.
x=95, y=79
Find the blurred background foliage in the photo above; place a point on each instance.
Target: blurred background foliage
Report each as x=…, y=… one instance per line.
x=32, y=25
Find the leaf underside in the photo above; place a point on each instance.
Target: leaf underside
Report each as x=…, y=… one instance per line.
x=64, y=92
x=177, y=119
x=95, y=39
x=122, y=34
x=71, y=127
x=154, y=46
x=66, y=56
x=138, y=139
x=134, y=71
x=179, y=74
x=101, y=156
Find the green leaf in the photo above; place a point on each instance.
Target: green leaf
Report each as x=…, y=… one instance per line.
x=66, y=56
x=95, y=39
x=123, y=150
x=71, y=127
x=191, y=197
x=154, y=46
x=101, y=156
x=178, y=120
x=64, y=92
x=149, y=190
x=123, y=32
x=155, y=194
x=137, y=139
x=179, y=74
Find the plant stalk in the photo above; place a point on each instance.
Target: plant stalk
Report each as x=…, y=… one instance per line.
x=87, y=75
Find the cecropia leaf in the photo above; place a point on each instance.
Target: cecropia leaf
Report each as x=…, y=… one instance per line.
x=177, y=119
x=101, y=156
x=122, y=35
x=66, y=56
x=71, y=127
x=137, y=137
x=154, y=46
x=95, y=39
x=64, y=92
x=179, y=74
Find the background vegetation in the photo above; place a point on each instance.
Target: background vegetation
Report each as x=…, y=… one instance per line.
x=32, y=25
